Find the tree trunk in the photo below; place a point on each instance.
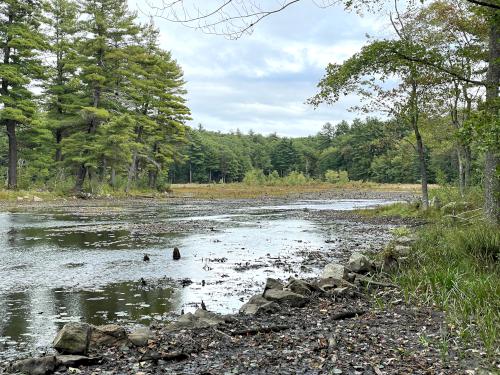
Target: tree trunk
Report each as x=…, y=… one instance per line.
x=492, y=157
x=12, y=168
x=461, y=172
x=190, y=173
x=131, y=171
x=80, y=178
x=58, y=156
x=152, y=179
x=467, y=166
x=423, y=169
x=113, y=177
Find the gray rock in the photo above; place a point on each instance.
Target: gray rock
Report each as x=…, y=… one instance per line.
x=359, y=263
x=107, y=335
x=35, y=366
x=406, y=240
x=258, y=305
x=300, y=287
x=73, y=338
x=402, y=250
x=258, y=300
x=285, y=297
x=332, y=283
x=140, y=336
x=75, y=360
x=335, y=271
x=259, y=309
x=273, y=284
x=200, y=319
x=342, y=291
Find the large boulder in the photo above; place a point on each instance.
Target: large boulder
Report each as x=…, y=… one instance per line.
x=140, y=336
x=73, y=338
x=35, y=366
x=286, y=297
x=359, y=263
x=334, y=271
x=107, y=335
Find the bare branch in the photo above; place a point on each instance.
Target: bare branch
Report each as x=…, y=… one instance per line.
x=230, y=18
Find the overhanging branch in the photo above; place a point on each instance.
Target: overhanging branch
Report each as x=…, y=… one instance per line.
x=438, y=67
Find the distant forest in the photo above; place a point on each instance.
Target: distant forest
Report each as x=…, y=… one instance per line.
x=368, y=150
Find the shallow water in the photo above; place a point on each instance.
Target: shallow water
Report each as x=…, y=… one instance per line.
x=59, y=266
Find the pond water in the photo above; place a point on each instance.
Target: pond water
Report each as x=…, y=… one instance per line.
x=62, y=264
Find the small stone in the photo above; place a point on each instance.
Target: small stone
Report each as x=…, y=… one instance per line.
x=285, y=297
x=359, y=263
x=340, y=291
x=402, y=250
x=335, y=271
x=140, y=336
x=37, y=199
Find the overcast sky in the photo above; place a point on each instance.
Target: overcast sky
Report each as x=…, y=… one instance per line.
x=261, y=82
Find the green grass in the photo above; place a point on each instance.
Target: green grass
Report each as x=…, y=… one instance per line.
x=454, y=265
x=456, y=268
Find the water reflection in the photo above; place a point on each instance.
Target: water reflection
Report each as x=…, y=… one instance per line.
x=31, y=319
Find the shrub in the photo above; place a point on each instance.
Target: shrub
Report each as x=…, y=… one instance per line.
x=295, y=178
x=336, y=177
x=257, y=177
x=254, y=177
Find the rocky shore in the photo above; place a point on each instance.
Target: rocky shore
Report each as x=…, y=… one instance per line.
x=349, y=320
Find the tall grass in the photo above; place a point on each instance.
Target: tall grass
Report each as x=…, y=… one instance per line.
x=456, y=267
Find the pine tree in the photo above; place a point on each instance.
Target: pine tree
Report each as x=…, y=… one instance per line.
x=63, y=88
x=156, y=90
x=109, y=28
x=21, y=43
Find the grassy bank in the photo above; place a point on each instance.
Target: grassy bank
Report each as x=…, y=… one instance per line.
x=241, y=190
x=454, y=265
x=215, y=191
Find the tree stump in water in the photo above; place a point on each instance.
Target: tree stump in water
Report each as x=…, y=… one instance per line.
x=177, y=253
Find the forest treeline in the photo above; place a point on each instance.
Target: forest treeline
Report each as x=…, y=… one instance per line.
x=368, y=150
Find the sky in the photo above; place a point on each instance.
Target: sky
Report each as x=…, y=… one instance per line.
x=261, y=81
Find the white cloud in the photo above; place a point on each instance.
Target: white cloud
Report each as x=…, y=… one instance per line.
x=261, y=82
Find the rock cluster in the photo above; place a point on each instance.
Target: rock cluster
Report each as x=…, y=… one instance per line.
x=74, y=342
